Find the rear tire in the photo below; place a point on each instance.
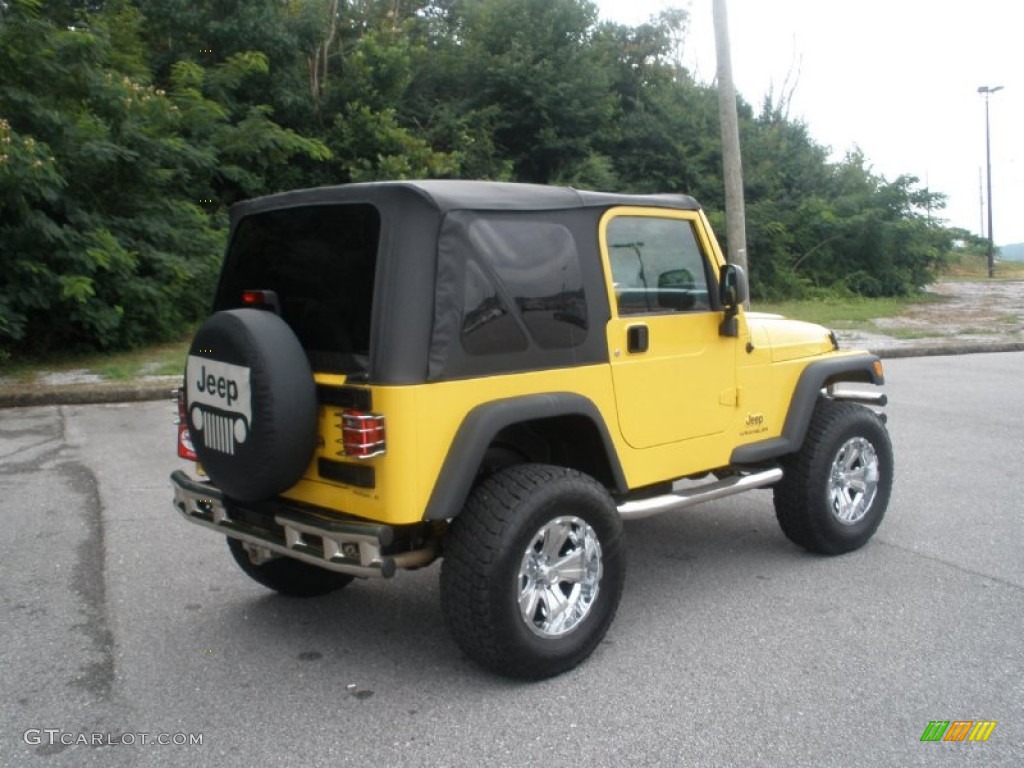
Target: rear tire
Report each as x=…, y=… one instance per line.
x=835, y=491
x=287, y=576
x=533, y=570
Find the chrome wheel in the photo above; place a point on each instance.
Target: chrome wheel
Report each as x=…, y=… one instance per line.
x=853, y=480
x=522, y=568
x=559, y=576
x=834, y=492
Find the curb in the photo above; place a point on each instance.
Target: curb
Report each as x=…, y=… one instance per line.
x=936, y=350
x=90, y=394
x=143, y=391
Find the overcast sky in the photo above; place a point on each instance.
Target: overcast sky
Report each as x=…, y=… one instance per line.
x=898, y=78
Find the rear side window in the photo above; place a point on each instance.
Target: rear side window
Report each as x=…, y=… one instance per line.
x=487, y=323
x=523, y=280
x=320, y=261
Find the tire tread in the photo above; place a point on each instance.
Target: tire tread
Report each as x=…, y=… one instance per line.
x=797, y=506
x=474, y=548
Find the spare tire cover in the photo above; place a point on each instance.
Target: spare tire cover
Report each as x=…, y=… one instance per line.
x=251, y=403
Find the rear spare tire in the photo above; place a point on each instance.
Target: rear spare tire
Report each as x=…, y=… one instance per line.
x=251, y=403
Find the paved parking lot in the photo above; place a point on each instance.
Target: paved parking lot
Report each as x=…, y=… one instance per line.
x=731, y=647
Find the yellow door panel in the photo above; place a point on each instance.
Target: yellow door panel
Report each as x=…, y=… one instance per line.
x=673, y=373
x=681, y=387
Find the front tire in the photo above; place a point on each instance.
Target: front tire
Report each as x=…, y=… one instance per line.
x=533, y=571
x=287, y=576
x=835, y=491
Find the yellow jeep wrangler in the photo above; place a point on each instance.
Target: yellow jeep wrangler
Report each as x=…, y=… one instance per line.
x=498, y=375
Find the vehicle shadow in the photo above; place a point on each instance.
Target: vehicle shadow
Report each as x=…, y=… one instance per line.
x=679, y=563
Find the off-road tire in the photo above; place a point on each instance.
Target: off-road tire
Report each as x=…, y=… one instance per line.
x=493, y=556
x=835, y=491
x=287, y=576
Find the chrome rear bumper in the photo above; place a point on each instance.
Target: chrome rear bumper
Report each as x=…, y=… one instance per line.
x=346, y=546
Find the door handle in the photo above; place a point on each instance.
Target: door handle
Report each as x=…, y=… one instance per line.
x=638, y=339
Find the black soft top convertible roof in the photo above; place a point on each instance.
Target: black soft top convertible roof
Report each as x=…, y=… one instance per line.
x=428, y=235
x=451, y=195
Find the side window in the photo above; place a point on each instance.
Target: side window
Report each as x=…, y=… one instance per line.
x=657, y=266
x=487, y=325
x=522, y=277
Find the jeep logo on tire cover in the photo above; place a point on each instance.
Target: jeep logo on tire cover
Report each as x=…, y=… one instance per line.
x=220, y=402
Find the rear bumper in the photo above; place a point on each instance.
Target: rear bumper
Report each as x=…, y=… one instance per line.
x=346, y=546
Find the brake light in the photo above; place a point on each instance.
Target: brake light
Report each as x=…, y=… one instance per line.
x=362, y=434
x=261, y=299
x=185, y=449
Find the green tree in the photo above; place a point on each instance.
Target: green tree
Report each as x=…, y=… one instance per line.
x=157, y=114
x=110, y=229
x=520, y=82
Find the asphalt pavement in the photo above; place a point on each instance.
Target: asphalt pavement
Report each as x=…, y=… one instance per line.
x=122, y=625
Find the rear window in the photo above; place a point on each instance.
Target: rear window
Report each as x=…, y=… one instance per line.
x=320, y=261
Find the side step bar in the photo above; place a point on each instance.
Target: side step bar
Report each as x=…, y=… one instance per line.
x=687, y=497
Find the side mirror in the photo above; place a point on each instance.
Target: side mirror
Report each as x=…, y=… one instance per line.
x=733, y=292
x=676, y=290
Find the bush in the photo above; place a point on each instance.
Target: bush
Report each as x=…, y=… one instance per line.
x=110, y=236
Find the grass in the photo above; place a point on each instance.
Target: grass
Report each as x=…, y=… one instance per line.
x=159, y=360
x=911, y=334
x=842, y=314
x=977, y=331
x=166, y=360
x=976, y=268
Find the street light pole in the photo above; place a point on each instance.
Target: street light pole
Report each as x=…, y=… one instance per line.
x=986, y=90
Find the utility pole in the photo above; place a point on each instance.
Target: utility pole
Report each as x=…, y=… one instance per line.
x=981, y=204
x=735, y=214
x=986, y=90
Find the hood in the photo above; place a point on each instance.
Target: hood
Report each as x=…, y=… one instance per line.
x=789, y=339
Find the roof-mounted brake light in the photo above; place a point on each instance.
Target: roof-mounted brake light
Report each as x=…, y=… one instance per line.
x=261, y=299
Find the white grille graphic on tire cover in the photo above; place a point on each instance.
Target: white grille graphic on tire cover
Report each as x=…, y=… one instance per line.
x=219, y=397
x=219, y=433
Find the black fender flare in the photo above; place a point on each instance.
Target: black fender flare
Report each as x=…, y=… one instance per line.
x=813, y=379
x=485, y=421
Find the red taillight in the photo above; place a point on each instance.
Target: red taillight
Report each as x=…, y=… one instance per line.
x=362, y=434
x=185, y=449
